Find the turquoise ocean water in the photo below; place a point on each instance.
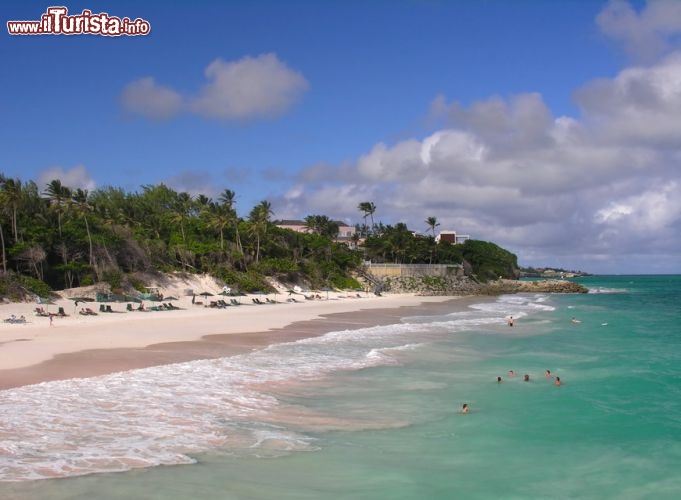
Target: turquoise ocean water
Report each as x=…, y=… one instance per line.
x=374, y=413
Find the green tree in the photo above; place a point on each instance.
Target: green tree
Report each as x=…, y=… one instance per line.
x=368, y=208
x=432, y=224
x=59, y=197
x=228, y=199
x=182, y=211
x=83, y=207
x=260, y=219
x=219, y=218
x=322, y=225
x=10, y=198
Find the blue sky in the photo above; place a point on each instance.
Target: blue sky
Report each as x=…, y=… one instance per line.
x=550, y=128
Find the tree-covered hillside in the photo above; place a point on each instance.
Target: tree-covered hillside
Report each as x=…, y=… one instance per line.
x=55, y=236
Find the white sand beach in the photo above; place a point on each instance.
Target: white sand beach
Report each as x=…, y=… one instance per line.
x=41, y=339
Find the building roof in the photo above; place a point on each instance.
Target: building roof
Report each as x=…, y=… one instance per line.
x=296, y=222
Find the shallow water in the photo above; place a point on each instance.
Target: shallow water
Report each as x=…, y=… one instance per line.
x=374, y=413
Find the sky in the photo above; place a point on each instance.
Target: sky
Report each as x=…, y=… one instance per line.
x=552, y=128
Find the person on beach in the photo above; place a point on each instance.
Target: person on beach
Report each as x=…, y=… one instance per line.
x=526, y=378
x=50, y=320
x=464, y=408
x=498, y=380
x=557, y=382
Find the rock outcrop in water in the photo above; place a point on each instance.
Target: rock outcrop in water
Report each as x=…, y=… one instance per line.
x=431, y=285
x=540, y=286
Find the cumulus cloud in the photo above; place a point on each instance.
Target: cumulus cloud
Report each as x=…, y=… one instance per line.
x=641, y=104
x=75, y=177
x=646, y=34
x=146, y=98
x=647, y=213
x=250, y=88
x=556, y=189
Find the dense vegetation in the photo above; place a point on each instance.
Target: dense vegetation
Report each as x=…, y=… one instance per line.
x=56, y=237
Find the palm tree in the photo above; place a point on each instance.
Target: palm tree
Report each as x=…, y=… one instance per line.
x=2, y=240
x=203, y=201
x=228, y=199
x=432, y=224
x=182, y=211
x=2, y=234
x=219, y=217
x=80, y=201
x=59, y=196
x=368, y=208
x=372, y=210
x=260, y=218
x=10, y=197
x=322, y=225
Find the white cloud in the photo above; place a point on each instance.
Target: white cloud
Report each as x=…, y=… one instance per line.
x=647, y=213
x=249, y=88
x=558, y=190
x=645, y=34
x=252, y=87
x=400, y=162
x=146, y=98
x=75, y=177
x=640, y=105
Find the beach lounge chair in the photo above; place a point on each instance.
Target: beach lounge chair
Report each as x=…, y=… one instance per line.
x=102, y=308
x=61, y=312
x=13, y=319
x=235, y=302
x=108, y=309
x=39, y=311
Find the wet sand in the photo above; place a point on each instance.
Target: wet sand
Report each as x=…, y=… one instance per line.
x=94, y=362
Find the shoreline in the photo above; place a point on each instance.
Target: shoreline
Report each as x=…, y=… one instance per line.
x=89, y=346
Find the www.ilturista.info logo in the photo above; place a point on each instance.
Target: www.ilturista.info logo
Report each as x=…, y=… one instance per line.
x=56, y=21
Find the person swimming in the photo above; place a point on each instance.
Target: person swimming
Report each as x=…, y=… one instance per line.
x=511, y=373
x=498, y=380
x=526, y=378
x=510, y=321
x=548, y=374
x=557, y=382
x=464, y=408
